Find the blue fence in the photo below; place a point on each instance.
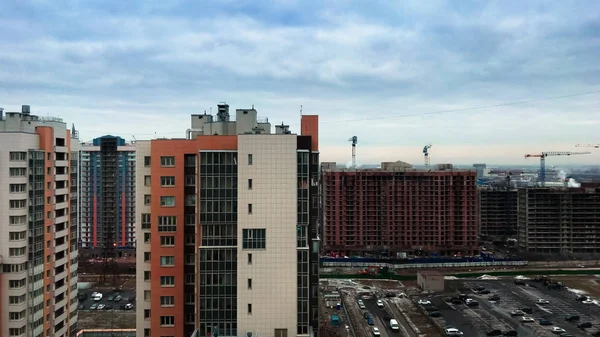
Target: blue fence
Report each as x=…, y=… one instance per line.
x=435, y=260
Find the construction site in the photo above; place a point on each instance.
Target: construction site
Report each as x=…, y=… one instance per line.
x=397, y=210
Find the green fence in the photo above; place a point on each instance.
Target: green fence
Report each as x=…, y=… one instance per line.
x=469, y=275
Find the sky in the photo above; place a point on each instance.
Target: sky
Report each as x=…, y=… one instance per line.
x=396, y=74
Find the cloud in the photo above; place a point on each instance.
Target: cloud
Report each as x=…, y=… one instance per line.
x=361, y=67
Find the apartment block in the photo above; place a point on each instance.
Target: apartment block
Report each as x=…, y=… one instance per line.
x=557, y=220
x=497, y=213
x=107, y=196
x=38, y=225
x=397, y=210
x=228, y=229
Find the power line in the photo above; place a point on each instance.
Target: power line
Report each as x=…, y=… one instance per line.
x=462, y=109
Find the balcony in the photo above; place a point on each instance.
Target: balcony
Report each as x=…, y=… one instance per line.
x=62, y=149
x=61, y=163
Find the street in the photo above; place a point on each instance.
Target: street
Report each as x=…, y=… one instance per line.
x=87, y=303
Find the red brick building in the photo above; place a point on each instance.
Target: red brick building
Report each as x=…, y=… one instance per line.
x=397, y=209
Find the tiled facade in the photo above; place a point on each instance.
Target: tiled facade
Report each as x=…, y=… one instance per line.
x=38, y=231
x=107, y=158
x=234, y=229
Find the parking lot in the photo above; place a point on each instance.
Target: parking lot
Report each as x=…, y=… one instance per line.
x=128, y=296
x=497, y=317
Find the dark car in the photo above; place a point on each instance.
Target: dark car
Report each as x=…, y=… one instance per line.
x=431, y=308
x=527, y=310
x=494, y=298
x=435, y=314
x=572, y=318
x=584, y=325
x=484, y=292
x=596, y=334
x=108, y=307
x=520, y=282
x=510, y=333
x=580, y=298
x=82, y=297
x=390, y=295
x=118, y=298
x=366, y=314
x=493, y=333
x=544, y=321
x=370, y=321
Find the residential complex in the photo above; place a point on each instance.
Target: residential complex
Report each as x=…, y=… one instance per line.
x=397, y=210
x=497, y=213
x=38, y=226
x=228, y=229
x=107, y=196
x=559, y=220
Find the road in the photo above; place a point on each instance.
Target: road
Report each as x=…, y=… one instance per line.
x=87, y=303
x=452, y=315
x=379, y=318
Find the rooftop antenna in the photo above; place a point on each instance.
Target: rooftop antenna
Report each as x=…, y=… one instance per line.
x=354, y=141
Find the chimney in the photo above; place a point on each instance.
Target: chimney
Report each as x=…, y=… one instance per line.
x=25, y=109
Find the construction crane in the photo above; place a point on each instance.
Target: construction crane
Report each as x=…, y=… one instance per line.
x=543, y=155
x=588, y=145
x=426, y=154
x=354, y=141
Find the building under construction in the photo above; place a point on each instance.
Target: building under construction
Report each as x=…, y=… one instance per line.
x=559, y=220
x=497, y=213
x=396, y=210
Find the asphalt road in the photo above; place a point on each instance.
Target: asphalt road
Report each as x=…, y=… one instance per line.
x=453, y=315
x=87, y=303
x=378, y=316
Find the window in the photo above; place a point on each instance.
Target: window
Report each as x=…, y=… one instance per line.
x=15, y=284
x=190, y=200
x=147, y=295
x=167, y=241
x=249, y=159
x=281, y=333
x=147, y=181
x=190, y=259
x=167, y=281
x=249, y=184
x=249, y=308
x=147, y=275
x=17, y=171
x=147, y=256
x=167, y=181
x=167, y=201
x=16, y=299
x=249, y=258
x=167, y=261
x=167, y=301
x=21, y=331
x=17, y=236
x=167, y=223
x=255, y=238
x=14, y=252
x=146, y=161
x=190, y=180
x=146, y=313
x=18, y=156
x=17, y=188
x=146, y=221
x=167, y=161
x=16, y=204
x=17, y=219
x=146, y=237
x=249, y=283
x=15, y=316
x=167, y=320
x=147, y=199
x=249, y=208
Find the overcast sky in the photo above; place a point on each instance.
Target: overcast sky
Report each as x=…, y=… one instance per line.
x=142, y=67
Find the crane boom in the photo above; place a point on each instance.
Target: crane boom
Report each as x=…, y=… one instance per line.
x=588, y=145
x=543, y=155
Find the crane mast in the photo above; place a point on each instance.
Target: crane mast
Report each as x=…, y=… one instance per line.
x=543, y=155
x=354, y=141
x=426, y=154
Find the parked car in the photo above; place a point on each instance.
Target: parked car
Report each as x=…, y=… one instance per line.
x=572, y=318
x=584, y=325
x=544, y=321
x=361, y=304
x=527, y=319
x=588, y=301
x=558, y=330
x=380, y=303
x=118, y=298
x=93, y=306
x=542, y=301
x=494, y=298
x=424, y=302
x=517, y=313
x=101, y=306
x=453, y=332
x=435, y=314
x=376, y=331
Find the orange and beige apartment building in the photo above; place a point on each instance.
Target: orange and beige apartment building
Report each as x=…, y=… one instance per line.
x=227, y=238
x=38, y=226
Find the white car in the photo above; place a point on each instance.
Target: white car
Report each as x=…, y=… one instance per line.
x=97, y=297
x=376, y=331
x=424, y=302
x=587, y=301
x=361, y=304
x=101, y=306
x=558, y=330
x=380, y=303
x=128, y=306
x=543, y=301
x=527, y=319
x=453, y=332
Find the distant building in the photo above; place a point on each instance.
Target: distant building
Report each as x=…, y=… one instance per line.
x=431, y=280
x=497, y=213
x=481, y=170
x=559, y=220
x=107, y=198
x=397, y=209
x=38, y=225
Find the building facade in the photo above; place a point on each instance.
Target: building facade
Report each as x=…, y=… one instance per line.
x=228, y=221
x=559, y=220
x=397, y=210
x=497, y=213
x=107, y=198
x=38, y=225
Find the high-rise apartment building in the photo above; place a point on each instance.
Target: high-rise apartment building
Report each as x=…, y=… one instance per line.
x=497, y=213
x=38, y=226
x=107, y=196
x=397, y=210
x=228, y=229
x=557, y=220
